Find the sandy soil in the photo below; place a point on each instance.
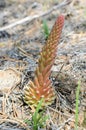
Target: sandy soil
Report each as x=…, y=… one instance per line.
x=20, y=46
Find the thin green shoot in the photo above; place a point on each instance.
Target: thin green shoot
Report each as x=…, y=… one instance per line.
x=38, y=118
x=45, y=29
x=84, y=121
x=36, y=114
x=77, y=105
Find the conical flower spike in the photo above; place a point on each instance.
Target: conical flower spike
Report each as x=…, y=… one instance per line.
x=41, y=86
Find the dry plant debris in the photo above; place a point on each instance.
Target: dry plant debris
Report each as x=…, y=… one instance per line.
x=9, y=78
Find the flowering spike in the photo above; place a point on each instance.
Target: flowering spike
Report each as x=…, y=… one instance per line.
x=41, y=86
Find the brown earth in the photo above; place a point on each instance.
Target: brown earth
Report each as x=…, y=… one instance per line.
x=19, y=50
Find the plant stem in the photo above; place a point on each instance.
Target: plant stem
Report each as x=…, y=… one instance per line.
x=77, y=105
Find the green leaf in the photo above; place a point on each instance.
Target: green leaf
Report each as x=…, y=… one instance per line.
x=45, y=29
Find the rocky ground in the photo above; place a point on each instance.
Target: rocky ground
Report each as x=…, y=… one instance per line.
x=20, y=45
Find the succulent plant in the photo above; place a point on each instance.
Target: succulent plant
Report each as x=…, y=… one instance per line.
x=41, y=86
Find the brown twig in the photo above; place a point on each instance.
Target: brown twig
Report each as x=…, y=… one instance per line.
x=63, y=124
x=56, y=111
x=31, y=18
x=14, y=120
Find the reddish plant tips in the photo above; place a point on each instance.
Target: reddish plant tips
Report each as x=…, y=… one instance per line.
x=41, y=86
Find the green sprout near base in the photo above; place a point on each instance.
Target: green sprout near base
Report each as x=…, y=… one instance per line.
x=77, y=106
x=45, y=28
x=38, y=118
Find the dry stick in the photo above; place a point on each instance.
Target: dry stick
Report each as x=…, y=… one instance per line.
x=17, y=61
x=5, y=95
x=4, y=104
x=15, y=113
x=58, y=112
x=30, y=18
x=26, y=54
x=59, y=72
x=63, y=124
x=49, y=116
x=69, y=119
x=14, y=120
x=60, y=95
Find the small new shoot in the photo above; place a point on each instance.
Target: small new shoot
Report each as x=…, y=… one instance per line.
x=45, y=28
x=77, y=105
x=38, y=118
